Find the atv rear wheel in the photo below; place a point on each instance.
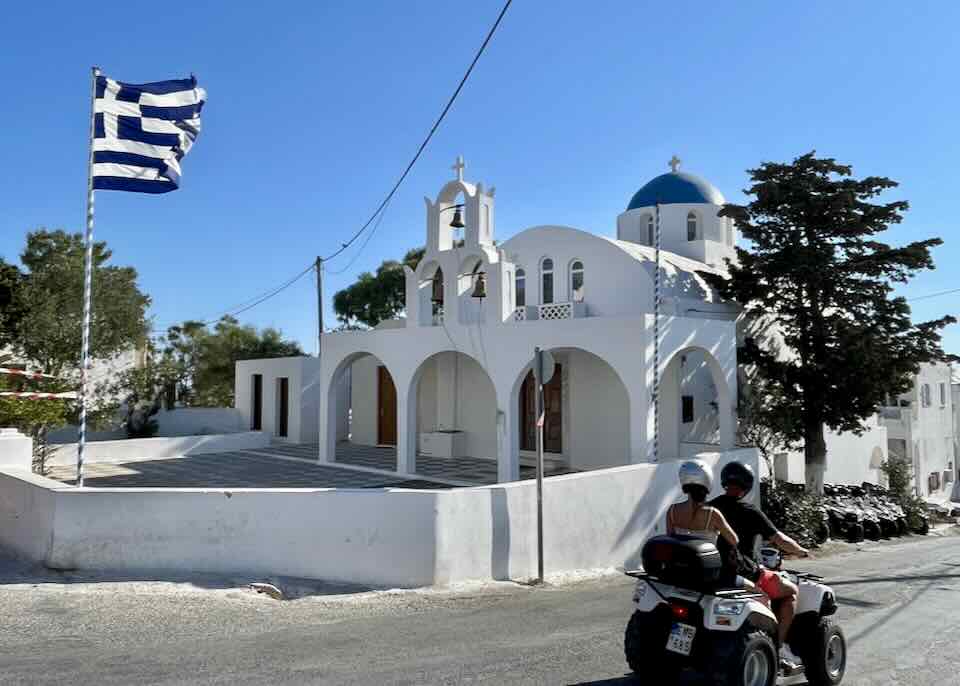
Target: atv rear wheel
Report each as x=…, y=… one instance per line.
x=855, y=533
x=825, y=655
x=644, y=647
x=753, y=661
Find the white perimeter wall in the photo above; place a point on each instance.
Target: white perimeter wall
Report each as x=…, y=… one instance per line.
x=380, y=537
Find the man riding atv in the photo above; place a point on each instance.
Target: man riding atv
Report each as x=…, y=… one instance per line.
x=749, y=523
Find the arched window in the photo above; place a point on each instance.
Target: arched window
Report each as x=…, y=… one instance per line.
x=521, y=288
x=691, y=227
x=576, y=281
x=651, y=231
x=437, y=291
x=546, y=273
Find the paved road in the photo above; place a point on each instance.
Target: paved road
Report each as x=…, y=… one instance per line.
x=900, y=606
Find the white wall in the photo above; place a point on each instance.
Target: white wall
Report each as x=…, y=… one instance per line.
x=144, y=448
x=599, y=414
x=301, y=372
x=16, y=450
x=380, y=537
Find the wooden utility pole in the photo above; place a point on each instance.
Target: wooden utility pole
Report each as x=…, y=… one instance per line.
x=319, y=268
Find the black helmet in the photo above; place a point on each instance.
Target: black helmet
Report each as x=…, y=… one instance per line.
x=737, y=474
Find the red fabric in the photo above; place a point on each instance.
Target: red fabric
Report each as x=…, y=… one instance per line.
x=769, y=583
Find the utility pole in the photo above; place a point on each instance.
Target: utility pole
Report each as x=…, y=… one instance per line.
x=319, y=267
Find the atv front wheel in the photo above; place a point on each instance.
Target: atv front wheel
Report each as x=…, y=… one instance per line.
x=643, y=645
x=753, y=662
x=825, y=657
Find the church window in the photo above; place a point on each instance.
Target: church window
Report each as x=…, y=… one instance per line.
x=687, y=402
x=546, y=272
x=691, y=227
x=521, y=288
x=925, y=398
x=576, y=281
x=651, y=231
x=943, y=394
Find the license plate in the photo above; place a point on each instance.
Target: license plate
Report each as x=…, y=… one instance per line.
x=681, y=638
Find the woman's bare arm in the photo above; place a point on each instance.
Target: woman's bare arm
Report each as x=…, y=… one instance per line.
x=729, y=535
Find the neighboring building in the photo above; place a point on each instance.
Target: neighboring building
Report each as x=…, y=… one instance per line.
x=921, y=428
x=955, y=397
x=279, y=396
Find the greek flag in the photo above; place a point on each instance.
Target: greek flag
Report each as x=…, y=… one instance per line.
x=142, y=131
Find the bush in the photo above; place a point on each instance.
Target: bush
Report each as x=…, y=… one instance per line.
x=792, y=511
x=899, y=473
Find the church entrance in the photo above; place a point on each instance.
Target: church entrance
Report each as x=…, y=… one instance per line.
x=387, y=401
x=553, y=413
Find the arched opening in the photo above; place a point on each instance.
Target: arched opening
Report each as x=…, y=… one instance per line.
x=586, y=413
x=692, y=226
x=362, y=413
x=432, y=293
x=546, y=281
x=456, y=418
x=651, y=231
x=694, y=401
x=576, y=281
x=470, y=308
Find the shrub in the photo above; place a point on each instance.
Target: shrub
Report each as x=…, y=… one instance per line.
x=792, y=511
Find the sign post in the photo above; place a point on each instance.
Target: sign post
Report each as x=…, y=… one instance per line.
x=543, y=366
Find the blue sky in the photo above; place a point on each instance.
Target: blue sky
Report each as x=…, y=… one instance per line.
x=315, y=108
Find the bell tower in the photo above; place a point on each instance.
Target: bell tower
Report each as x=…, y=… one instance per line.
x=474, y=212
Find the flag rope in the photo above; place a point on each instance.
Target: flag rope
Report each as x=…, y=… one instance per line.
x=29, y=375
x=33, y=395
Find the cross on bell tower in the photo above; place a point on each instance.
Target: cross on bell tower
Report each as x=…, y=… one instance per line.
x=458, y=167
x=674, y=164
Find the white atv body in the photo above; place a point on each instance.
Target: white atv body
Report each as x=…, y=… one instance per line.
x=730, y=635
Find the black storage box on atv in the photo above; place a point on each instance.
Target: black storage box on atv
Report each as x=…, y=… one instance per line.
x=683, y=561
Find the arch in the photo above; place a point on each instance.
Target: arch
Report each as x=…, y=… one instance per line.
x=357, y=391
x=696, y=404
x=431, y=284
x=470, y=309
x=591, y=427
x=693, y=226
x=452, y=392
x=547, y=282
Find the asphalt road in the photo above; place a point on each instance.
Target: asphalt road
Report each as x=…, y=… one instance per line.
x=900, y=607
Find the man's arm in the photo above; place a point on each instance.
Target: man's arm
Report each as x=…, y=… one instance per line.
x=788, y=545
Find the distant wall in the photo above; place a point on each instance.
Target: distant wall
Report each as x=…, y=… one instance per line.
x=141, y=448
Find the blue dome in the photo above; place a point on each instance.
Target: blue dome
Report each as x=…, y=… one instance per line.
x=676, y=188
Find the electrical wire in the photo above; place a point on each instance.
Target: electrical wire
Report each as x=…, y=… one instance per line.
x=426, y=140
x=934, y=295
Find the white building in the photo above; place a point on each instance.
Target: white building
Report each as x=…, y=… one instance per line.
x=452, y=377
x=920, y=429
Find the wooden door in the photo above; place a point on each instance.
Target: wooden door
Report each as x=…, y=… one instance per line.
x=387, y=402
x=553, y=411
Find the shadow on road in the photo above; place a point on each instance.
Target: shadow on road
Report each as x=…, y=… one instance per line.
x=893, y=579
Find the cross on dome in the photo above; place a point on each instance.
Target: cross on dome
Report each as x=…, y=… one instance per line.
x=458, y=167
x=674, y=164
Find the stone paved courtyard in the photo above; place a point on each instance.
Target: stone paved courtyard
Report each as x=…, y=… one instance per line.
x=287, y=466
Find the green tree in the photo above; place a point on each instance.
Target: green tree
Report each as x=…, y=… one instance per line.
x=816, y=269
x=372, y=298
x=201, y=362
x=48, y=301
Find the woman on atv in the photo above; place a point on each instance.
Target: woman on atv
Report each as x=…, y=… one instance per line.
x=693, y=517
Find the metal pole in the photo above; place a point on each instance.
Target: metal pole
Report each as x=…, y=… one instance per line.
x=87, y=285
x=538, y=360
x=319, y=304
x=656, y=343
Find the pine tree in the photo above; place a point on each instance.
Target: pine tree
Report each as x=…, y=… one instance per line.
x=818, y=271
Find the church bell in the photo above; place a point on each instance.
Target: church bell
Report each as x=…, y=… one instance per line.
x=480, y=289
x=457, y=221
x=437, y=294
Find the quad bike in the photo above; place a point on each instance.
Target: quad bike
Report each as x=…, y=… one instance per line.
x=685, y=620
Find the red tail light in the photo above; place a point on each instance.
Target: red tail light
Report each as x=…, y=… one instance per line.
x=680, y=612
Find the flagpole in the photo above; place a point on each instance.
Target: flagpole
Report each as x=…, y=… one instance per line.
x=87, y=284
x=656, y=342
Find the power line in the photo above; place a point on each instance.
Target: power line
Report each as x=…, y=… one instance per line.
x=934, y=295
x=381, y=208
x=426, y=140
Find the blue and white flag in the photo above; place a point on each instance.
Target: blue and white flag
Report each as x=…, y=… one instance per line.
x=142, y=131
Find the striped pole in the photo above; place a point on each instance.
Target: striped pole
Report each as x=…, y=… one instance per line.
x=656, y=343
x=87, y=287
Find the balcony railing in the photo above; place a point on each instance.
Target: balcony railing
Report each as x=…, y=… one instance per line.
x=892, y=413
x=550, y=311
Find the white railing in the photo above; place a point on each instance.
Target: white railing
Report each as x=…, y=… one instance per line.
x=520, y=314
x=550, y=311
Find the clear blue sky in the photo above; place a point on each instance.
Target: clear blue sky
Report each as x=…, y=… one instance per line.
x=315, y=108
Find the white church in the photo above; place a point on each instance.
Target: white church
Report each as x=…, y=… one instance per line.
x=451, y=378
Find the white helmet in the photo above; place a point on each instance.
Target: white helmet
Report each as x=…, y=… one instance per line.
x=696, y=472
